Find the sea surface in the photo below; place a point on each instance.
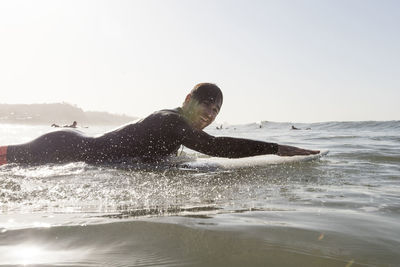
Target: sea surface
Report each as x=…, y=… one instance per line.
x=340, y=210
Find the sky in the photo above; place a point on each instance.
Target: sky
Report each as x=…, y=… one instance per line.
x=282, y=60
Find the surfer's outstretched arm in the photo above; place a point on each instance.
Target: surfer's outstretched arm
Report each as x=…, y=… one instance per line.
x=230, y=147
x=293, y=151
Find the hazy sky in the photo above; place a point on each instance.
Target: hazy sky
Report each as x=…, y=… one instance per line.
x=298, y=61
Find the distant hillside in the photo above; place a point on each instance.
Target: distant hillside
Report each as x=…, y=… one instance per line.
x=59, y=113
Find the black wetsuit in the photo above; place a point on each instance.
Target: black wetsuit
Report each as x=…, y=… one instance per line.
x=151, y=139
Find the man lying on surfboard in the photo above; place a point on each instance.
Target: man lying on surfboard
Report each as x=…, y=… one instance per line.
x=150, y=139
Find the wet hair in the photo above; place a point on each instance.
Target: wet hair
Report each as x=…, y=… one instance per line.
x=206, y=91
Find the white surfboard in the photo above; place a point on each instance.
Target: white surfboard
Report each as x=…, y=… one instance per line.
x=248, y=162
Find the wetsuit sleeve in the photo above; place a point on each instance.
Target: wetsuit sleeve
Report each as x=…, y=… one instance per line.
x=227, y=147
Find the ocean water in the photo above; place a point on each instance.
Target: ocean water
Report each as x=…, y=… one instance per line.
x=340, y=210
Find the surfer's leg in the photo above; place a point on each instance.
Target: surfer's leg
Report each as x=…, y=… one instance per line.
x=54, y=147
x=3, y=155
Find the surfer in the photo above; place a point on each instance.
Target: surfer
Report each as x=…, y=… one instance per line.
x=73, y=125
x=295, y=128
x=150, y=139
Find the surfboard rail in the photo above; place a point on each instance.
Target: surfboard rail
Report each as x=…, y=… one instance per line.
x=247, y=162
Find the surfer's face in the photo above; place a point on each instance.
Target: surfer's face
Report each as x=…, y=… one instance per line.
x=202, y=113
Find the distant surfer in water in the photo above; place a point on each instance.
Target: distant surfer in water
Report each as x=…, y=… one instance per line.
x=151, y=139
x=73, y=125
x=295, y=128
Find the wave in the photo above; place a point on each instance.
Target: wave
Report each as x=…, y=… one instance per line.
x=343, y=125
x=249, y=239
x=359, y=125
x=148, y=243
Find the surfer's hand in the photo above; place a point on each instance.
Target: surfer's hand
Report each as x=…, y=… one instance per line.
x=293, y=151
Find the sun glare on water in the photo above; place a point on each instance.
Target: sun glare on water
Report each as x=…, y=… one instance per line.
x=29, y=254
x=23, y=254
